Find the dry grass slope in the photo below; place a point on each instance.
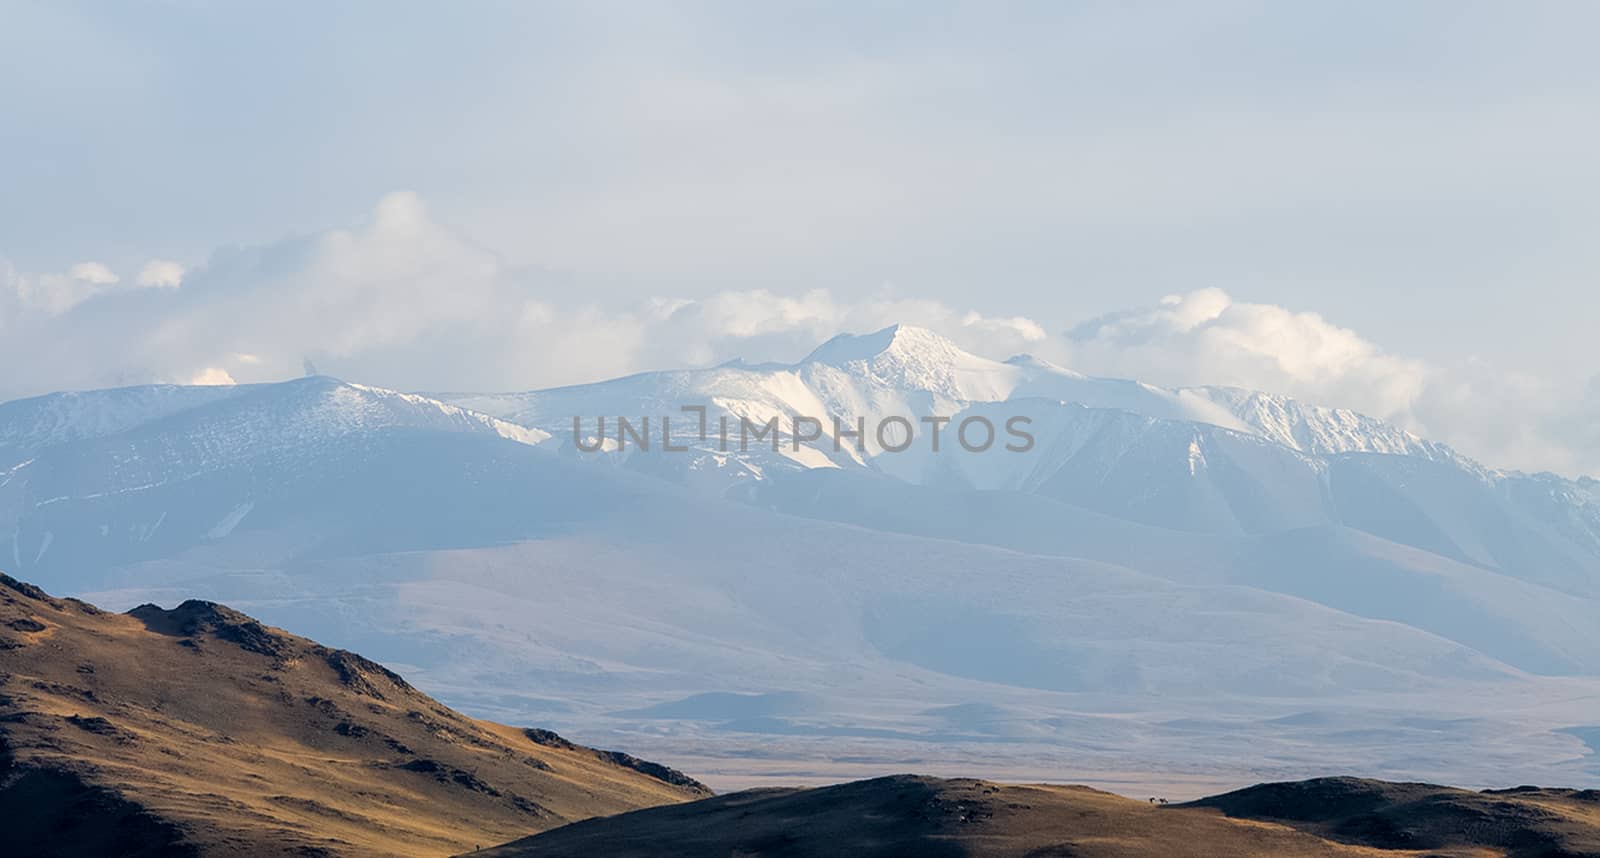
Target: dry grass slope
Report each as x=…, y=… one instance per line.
x=201, y=731
x=933, y=818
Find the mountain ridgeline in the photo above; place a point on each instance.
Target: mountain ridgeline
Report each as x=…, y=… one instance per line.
x=200, y=731
x=964, y=818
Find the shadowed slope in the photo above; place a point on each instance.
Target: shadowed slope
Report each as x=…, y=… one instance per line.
x=926, y=817
x=932, y=818
x=198, y=730
x=1526, y=821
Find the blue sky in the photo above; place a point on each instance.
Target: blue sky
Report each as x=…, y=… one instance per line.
x=1417, y=174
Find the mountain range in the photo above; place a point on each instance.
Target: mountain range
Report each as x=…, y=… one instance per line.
x=1181, y=588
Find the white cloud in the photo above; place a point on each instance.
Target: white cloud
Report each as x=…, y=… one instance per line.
x=1020, y=327
x=760, y=325
x=1206, y=337
x=53, y=294
x=160, y=273
x=402, y=301
x=1505, y=418
x=211, y=375
x=93, y=272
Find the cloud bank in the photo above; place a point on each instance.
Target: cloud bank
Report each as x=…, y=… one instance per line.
x=402, y=301
x=1206, y=337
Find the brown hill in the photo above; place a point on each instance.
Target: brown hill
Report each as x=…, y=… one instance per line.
x=1525, y=821
x=932, y=818
x=201, y=731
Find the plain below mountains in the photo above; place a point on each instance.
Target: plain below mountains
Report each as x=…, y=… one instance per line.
x=199, y=731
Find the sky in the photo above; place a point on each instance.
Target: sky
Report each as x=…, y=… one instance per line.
x=1390, y=207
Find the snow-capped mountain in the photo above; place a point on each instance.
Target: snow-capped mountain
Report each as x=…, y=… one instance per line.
x=912, y=372
x=30, y=425
x=238, y=420
x=104, y=476
x=1320, y=430
x=1205, y=459
x=1167, y=552
x=898, y=370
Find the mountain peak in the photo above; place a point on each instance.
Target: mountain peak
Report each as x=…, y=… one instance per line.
x=912, y=358
x=901, y=340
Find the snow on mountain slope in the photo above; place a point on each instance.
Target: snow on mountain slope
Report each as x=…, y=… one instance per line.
x=1319, y=430
x=1214, y=460
x=899, y=370
x=634, y=574
x=30, y=425
x=280, y=422
x=1568, y=509
x=1525, y=624
x=1211, y=459
x=1539, y=528
x=902, y=370
x=1206, y=479
x=1019, y=521
x=911, y=372
x=1205, y=460
x=1173, y=474
x=304, y=409
x=1536, y=628
x=89, y=484
x=910, y=358
x=1044, y=380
